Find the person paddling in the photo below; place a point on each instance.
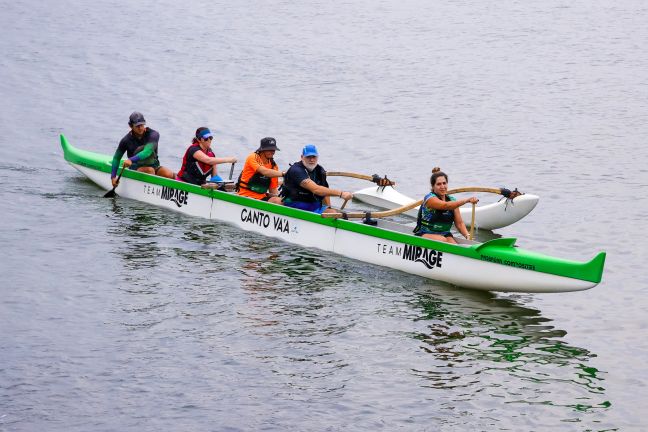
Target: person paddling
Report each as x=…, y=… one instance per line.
x=199, y=161
x=305, y=186
x=141, y=147
x=439, y=211
x=259, y=178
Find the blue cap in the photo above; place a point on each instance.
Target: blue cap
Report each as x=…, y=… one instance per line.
x=310, y=150
x=205, y=133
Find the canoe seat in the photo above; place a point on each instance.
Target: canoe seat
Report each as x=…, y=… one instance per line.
x=224, y=186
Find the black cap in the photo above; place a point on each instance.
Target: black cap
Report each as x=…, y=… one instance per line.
x=268, y=143
x=136, y=119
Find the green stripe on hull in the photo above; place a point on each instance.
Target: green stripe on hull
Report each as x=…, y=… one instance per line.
x=499, y=251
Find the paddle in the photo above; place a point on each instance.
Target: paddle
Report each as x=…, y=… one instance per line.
x=232, y=170
x=472, y=224
x=380, y=181
x=111, y=193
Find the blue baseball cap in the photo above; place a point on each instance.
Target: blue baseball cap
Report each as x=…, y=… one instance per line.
x=205, y=133
x=310, y=150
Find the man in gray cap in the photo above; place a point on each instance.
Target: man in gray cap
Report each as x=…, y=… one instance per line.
x=141, y=148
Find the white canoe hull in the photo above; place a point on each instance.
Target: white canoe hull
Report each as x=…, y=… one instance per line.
x=441, y=266
x=488, y=217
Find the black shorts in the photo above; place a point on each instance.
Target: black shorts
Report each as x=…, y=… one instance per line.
x=444, y=233
x=155, y=166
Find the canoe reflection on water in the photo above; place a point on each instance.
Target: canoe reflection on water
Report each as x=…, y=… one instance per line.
x=480, y=342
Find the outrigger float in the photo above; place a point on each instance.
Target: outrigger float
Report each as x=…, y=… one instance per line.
x=492, y=216
x=495, y=265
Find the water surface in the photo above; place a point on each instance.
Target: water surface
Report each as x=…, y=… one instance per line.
x=118, y=316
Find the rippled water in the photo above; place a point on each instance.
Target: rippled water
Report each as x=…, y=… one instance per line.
x=118, y=316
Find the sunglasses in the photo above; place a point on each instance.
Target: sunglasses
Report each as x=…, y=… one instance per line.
x=207, y=139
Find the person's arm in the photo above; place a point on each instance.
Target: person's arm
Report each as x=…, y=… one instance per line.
x=323, y=191
x=254, y=162
x=199, y=155
x=459, y=223
x=273, y=192
x=115, y=161
x=146, y=152
x=268, y=172
x=149, y=148
x=435, y=203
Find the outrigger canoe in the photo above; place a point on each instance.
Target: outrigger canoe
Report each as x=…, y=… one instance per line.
x=488, y=217
x=495, y=265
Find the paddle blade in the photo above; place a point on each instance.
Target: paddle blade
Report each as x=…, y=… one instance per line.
x=111, y=193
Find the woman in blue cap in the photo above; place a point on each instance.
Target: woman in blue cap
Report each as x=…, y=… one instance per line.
x=305, y=186
x=199, y=161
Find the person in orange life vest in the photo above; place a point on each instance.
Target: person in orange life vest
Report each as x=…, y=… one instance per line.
x=199, y=161
x=141, y=147
x=259, y=178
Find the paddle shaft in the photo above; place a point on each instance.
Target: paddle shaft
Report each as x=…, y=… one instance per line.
x=232, y=170
x=472, y=223
x=111, y=192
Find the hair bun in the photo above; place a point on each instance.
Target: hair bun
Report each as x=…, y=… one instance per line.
x=435, y=170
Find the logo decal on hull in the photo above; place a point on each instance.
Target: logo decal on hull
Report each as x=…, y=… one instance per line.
x=176, y=196
x=430, y=258
x=265, y=220
x=507, y=262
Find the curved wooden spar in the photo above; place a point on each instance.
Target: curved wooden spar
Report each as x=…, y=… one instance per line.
x=375, y=178
x=379, y=214
x=386, y=213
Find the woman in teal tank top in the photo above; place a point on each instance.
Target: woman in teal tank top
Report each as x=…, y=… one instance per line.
x=439, y=211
